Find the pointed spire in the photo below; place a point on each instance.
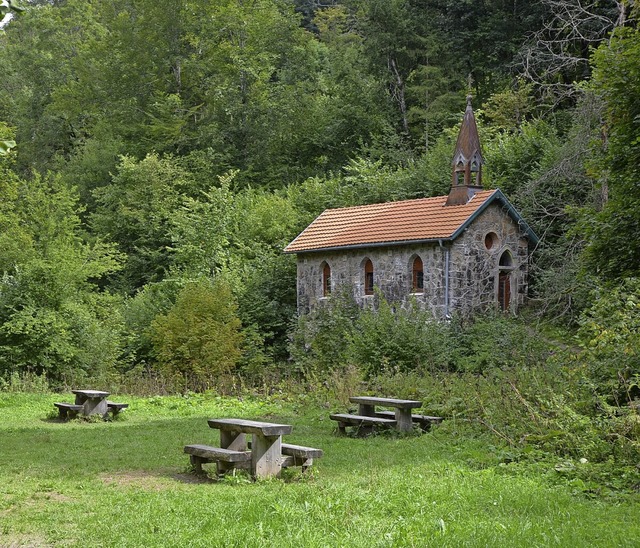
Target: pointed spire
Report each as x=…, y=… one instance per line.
x=467, y=161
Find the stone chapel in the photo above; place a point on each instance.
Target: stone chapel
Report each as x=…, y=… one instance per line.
x=464, y=252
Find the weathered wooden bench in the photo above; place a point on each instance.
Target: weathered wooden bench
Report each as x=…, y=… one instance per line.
x=424, y=421
x=364, y=424
x=115, y=408
x=68, y=410
x=297, y=455
x=201, y=454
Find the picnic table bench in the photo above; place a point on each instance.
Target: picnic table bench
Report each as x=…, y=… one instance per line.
x=364, y=424
x=68, y=410
x=264, y=455
x=368, y=417
x=424, y=421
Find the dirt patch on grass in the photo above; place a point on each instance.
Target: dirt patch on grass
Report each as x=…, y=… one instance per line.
x=51, y=496
x=152, y=481
x=23, y=541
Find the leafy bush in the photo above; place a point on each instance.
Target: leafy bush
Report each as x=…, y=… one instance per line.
x=498, y=341
x=199, y=338
x=53, y=318
x=610, y=337
x=391, y=339
x=139, y=312
x=403, y=339
x=320, y=341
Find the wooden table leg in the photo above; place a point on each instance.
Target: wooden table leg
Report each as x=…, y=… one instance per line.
x=92, y=406
x=237, y=441
x=266, y=456
x=403, y=417
x=233, y=440
x=366, y=410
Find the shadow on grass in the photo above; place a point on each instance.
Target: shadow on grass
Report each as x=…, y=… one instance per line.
x=192, y=478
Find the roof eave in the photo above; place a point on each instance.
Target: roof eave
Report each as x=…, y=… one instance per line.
x=368, y=245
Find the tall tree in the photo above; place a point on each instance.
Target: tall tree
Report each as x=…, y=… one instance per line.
x=135, y=211
x=53, y=318
x=556, y=53
x=614, y=249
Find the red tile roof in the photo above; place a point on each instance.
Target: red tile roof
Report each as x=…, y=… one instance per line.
x=392, y=222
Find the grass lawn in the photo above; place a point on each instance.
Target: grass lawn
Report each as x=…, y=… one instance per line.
x=127, y=483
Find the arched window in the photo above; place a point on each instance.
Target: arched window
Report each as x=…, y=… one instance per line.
x=506, y=260
x=326, y=280
x=368, y=277
x=417, y=276
x=505, y=266
x=475, y=172
x=460, y=173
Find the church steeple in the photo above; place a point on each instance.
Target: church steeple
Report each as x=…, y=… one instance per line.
x=467, y=161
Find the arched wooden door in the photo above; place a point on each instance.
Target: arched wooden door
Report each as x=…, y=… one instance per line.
x=504, y=290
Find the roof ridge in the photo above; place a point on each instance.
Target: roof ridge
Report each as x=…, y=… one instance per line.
x=394, y=202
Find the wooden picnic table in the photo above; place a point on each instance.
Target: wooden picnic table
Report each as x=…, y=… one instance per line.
x=367, y=408
x=266, y=443
x=94, y=402
x=89, y=402
x=264, y=456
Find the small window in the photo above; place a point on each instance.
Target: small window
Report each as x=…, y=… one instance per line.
x=491, y=240
x=368, y=278
x=475, y=173
x=326, y=280
x=506, y=260
x=460, y=173
x=417, y=276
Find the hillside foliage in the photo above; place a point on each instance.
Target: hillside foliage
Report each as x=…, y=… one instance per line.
x=156, y=157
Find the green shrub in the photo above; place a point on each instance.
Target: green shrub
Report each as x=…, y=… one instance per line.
x=320, y=340
x=391, y=338
x=200, y=337
x=139, y=312
x=54, y=318
x=610, y=338
x=498, y=341
x=399, y=340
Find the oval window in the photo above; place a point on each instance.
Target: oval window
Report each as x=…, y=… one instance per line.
x=491, y=240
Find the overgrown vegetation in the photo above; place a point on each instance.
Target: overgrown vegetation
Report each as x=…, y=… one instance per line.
x=533, y=392
x=155, y=159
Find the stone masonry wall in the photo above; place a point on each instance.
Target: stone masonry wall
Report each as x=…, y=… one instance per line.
x=473, y=269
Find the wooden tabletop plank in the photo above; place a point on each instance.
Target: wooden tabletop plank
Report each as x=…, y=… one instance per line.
x=251, y=427
x=92, y=393
x=389, y=402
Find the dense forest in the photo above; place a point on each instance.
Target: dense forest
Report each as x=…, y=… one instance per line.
x=158, y=156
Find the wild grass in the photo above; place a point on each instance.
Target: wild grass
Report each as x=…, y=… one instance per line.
x=127, y=483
